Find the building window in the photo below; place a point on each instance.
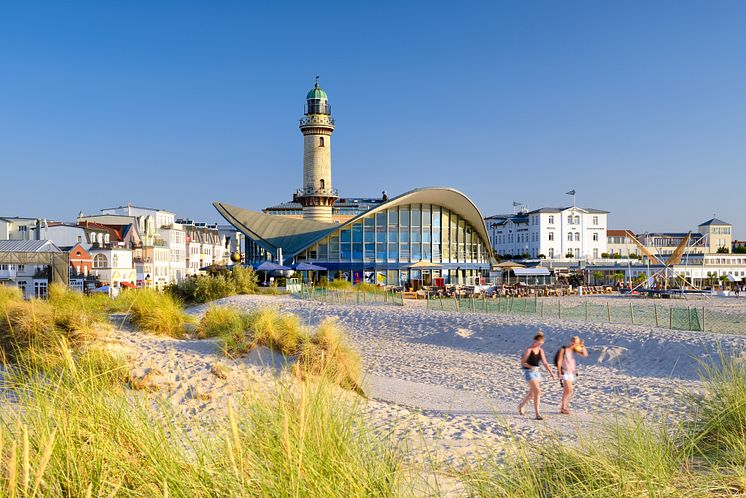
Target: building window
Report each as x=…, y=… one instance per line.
x=323, y=184
x=551, y=220
x=40, y=290
x=577, y=220
x=577, y=236
x=577, y=253
x=115, y=261
x=551, y=252
x=569, y=219
x=551, y=235
x=100, y=261
x=595, y=220
x=595, y=237
x=595, y=253
x=569, y=236
x=321, y=141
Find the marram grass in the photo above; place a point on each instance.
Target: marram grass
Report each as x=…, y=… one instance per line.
x=82, y=438
x=634, y=455
x=320, y=353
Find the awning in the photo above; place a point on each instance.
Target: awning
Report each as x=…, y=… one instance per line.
x=531, y=272
x=424, y=264
x=508, y=264
x=126, y=284
x=731, y=278
x=308, y=267
x=270, y=266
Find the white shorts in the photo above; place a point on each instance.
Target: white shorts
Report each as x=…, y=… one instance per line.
x=568, y=376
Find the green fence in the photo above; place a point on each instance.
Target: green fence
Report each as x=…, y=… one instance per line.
x=350, y=296
x=696, y=318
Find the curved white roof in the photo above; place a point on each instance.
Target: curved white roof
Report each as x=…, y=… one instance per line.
x=294, y=235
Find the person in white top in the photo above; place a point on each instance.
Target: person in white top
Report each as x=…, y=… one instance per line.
x=566, y=369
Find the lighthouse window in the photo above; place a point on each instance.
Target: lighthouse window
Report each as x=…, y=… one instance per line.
x=322, y=184
x=321, y=141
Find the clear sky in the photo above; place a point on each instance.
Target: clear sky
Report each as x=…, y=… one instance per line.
x=639, y=106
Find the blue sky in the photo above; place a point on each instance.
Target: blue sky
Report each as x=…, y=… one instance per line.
x=639, y=106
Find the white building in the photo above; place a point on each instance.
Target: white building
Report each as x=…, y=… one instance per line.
x=160, y=259
x=554, y=233
x=204, y=246
x=112, y=264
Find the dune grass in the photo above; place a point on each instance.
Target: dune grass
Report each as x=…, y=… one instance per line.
x=320, y=353
x=635, y=456
x=221, y=321
x=158, y=312
x=335, y=284
x=282, y=332
x=87, y=439
x=327, y=354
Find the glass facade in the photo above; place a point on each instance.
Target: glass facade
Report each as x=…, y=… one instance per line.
x=380, y=247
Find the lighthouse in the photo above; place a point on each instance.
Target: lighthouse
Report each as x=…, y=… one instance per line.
x=317, y=125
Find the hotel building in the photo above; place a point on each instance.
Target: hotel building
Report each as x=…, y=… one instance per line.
x=553, y=233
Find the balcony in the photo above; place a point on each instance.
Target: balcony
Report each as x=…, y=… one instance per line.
x=317, y=120
x=317, y=192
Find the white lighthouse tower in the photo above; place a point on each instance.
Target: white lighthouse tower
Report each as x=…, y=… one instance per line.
x=317, y=125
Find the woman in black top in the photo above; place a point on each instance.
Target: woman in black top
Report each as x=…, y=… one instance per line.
x=530, y=361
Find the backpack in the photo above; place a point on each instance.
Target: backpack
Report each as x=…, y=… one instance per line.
x=556, y=356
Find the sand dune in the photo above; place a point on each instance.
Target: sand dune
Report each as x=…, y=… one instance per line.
x=447, y=381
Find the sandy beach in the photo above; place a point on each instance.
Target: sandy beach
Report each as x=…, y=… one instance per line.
x=445, y=383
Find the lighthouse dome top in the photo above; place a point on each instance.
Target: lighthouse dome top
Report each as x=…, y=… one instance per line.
x=316, y=92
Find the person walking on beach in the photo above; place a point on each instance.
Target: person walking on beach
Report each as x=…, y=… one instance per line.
x=530, y=361
x=566, y=369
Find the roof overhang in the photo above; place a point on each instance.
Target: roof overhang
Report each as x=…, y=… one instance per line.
x=294, y=235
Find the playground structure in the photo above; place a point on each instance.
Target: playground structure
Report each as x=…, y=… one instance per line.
x=666, y=281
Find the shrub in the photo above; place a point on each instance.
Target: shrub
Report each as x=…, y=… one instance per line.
x=327, y=354
x=158, y=312
x=215, y=285
x=244, y=279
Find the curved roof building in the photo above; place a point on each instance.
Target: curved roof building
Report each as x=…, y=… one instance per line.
x=428, y=235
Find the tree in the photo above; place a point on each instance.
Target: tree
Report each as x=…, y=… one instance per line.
x=598, y=276
x=722, y=250
x=723, y=280
x=605, y=255
x=640, y=278
x=569, y=255
x=542, y=256
x=711, y=277
x=739, y=250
